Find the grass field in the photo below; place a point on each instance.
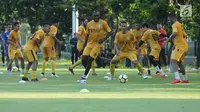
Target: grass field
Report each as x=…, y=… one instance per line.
x=62, y=94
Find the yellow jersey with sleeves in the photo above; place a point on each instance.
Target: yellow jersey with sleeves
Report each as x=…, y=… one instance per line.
x=125, y=41
x=39, y=35
x=82, y=33
x=138, y=35
x=15, y=38
x=152, y=37
x=179, y=41
x=48, y=40
x=96, y=31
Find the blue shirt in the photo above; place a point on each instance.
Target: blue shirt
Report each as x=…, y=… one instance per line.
x=73, y=42
x=5, y=38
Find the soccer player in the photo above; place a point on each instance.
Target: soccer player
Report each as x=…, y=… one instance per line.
x=30, y=49
x=126, y=41
x=80, y=35
x=95, y=30
x=179, y=51
x=141, y=51
x=161, y=40
x=6, y=44
x=15, y=47
x=152, y=37
x=49, y=49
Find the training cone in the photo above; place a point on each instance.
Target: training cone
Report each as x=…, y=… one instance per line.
x=84, y=91
x=21, y=75
x=44, y=79
x=22, y=82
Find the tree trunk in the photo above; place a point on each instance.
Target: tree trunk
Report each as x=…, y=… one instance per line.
x=198, y=51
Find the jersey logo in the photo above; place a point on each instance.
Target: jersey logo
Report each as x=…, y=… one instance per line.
x=155, y=36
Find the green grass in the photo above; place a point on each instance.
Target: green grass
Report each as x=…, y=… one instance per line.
x=62, y=94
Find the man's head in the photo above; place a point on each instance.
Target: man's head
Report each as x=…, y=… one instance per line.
x=16, y=26
x=96, y=16
x=84, y=21
x=137, y=26
x=123, y=25
x=172, y=18
x=9, y=27
x=145, y=26
x=46, y=27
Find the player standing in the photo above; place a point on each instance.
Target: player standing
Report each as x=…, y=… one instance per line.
x=127, y=43
x=30, y=49
x=15, y=47
x=95, y=30
x=179, y=51
x=48, y=49
x=80, y=35
x=152, y=37
x=141, y=51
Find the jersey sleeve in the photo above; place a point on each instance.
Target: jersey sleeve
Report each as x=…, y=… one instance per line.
x=106, y=27
x=116, y=39
x=133, y=37
x=145, y=37
x=174, y=28
x=39, y=35
x=157, y=32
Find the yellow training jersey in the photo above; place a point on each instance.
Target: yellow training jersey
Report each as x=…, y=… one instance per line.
x=179, y=41
x=15, y=38
x=31, y=44
x=125, y=41
x=96, y=31
x=152, y=37
x=82, y=34
x=138, y=35
x=48, y=40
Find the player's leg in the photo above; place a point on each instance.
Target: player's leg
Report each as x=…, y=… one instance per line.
x=17, y=64
x=176, y=56
x=46, y=58
x=3, y=55
x=85, y=56
x=52, y=55
x=182, y=70
x=11, y=55
x=21, y=58
x=25, y=77
x=34, y=69
x=93, y=54
x=113, y=63
x=93, y=68
x=76, y=63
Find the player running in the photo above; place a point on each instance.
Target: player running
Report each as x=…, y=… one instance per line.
x=95, y=30
x=48, y=49
x=152, y=37
x=15, y=48
x=81, y=34
x=141, y=51
x=30, y=49
x=126, y=41
x=179, y=51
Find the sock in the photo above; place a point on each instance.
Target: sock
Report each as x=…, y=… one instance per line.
x=185, y=77
x=44, y=66
x=53, y=66
x=112, y=69
x=33, y=74
x=93, y=67
x=22, y=71
x=177, y=76
x=157, y=68
x=26, y=73
x=76, y=64
x=139, y=67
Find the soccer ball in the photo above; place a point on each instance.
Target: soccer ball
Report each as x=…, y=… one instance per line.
x=123, y=78
x=14, y=69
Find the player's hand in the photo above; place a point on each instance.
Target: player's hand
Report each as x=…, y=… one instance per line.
x=101, y=41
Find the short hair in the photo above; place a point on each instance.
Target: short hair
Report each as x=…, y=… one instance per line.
x=15, y=23
x=145, y=25
x=45, y=24
x=82, y=19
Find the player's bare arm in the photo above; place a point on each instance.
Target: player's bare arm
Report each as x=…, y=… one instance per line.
x=12, y=43
x=117, y=49
x=172, y=36
x=86, y=39
x=106, y=37
x=79, y=38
